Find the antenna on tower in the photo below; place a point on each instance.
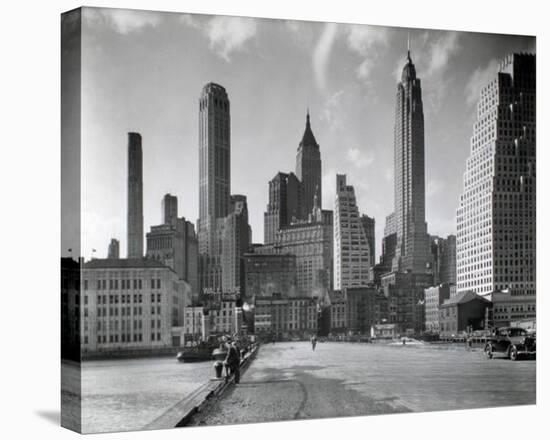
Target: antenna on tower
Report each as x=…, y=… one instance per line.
x=409, y=45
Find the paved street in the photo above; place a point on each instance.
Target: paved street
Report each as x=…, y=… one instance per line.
x=288, y=381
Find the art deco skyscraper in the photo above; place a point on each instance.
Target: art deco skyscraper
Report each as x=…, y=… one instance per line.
x=214, y=152
x=496, y=230
x=214, y=180
x=308, y=169
x=135, y=196
x=169, y=209
x=352, y=255
x=413, y=247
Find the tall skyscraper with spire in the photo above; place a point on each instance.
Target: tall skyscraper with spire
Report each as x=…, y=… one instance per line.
x=214, y=180
x=135, y=196
x=413, y=247
x=308, y=169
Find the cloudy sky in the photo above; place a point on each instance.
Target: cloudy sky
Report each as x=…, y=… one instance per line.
x=144, y=71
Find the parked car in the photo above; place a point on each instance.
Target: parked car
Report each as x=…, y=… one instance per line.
x=512, y=341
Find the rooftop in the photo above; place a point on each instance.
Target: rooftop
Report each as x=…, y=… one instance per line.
x=124, y=263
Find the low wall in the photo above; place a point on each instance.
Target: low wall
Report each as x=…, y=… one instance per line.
x=182, y=413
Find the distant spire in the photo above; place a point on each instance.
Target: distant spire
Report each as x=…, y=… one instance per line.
x=308, y=138
x=409, y=45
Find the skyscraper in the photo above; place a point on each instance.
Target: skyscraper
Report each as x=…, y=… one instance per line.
x=114, y=249
x=369, y=224
x=236, y=241
x=214, y=180
x=174, y=243
x=496, y=216
x=169, y=209
x=352, y=261
x=284, y=204
x=135, y=196
x=412, y=250
x=308, y=169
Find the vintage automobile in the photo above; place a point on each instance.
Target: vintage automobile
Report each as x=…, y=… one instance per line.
x=513, y=342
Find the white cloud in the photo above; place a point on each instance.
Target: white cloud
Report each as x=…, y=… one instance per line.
x=440, y=51
x=366, y=42
x=358, y=158
x=321, y=54
x=226, y=35
x=331, y=113
x=123, y=21
x=230, y=34
x=479, y=78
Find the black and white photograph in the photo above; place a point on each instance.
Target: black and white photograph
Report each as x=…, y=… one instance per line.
x=284, y=220
x=274, y=219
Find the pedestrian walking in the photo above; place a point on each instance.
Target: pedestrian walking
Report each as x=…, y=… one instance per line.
x=313, y=342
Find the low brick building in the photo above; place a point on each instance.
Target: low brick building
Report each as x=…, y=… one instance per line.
x=464, y=312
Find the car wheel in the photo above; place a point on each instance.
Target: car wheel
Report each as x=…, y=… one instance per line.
x=513, y=353
x=488, y=351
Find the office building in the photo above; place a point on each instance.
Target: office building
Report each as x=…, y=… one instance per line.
x=496, y=217
x=352, y=253
x=214, y=181
x=267, y=274
x=130, y=305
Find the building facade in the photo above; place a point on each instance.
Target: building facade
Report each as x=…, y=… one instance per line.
x=361, y=309
x=135, y=196
x=175, y=245
x=214, y=180
x=496, y=230
x=412, y=251
x=444, y=259
x=405, y=300
x=352, y=252
x=280, y=317
x=311, y=241
x=369, y=226
x=463, y=314
x=266, y=274
x=284, y=205
x=130, y=305
x=509, y=309
x=236, y=241
x=434, y=297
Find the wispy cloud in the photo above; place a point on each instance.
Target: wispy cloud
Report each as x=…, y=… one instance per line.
x=226, y=35
x=321, y=54
x=332, y=110
x=358, y=158
x=479, y=78
x=366, y=41
x=123, y=21
x=440, y=52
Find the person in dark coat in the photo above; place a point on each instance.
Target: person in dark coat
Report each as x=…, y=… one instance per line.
x=233, y=361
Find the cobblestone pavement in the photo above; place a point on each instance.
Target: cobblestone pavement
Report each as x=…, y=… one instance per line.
x=289, y=381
